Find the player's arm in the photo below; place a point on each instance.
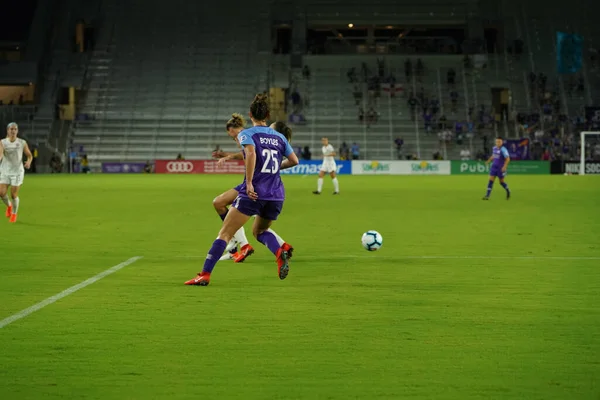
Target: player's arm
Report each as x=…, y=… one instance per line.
x=29, y=156
x=230, y=156
x=291, y=158
x=489, y=160
x=506, y=158
x=245, y=140
x=250, y=152
x=1, y=151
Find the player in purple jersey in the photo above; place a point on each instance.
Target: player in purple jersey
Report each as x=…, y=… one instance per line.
x=261, y=194
x=499, y=159
x=221, y=203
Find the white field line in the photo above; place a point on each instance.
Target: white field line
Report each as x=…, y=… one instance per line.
x=65, y=293
x=399, y=257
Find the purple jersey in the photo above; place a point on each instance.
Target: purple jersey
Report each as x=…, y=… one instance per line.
x=500, y=154
x=270, y=147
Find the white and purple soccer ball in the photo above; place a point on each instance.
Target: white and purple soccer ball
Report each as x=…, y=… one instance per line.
x=372, y=240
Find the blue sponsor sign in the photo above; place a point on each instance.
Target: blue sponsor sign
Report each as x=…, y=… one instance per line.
x=123, y=168
x=312, y=168
x=569, y=52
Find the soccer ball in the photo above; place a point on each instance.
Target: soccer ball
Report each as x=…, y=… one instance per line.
x=372, y=240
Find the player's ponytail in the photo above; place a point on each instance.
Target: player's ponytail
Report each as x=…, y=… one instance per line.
x=285, y=130
x=236, y=121
x=259, y=109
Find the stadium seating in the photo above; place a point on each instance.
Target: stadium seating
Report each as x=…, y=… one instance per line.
x=164, y=77
x=159, y=86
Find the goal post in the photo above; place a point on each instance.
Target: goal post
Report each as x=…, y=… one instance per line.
x=582, y=150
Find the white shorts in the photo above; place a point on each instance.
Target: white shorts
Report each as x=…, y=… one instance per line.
x=12, y=179
x=328, y=166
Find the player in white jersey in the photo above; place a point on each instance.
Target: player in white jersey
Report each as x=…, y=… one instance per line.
x=328, y=167
x=11, y=168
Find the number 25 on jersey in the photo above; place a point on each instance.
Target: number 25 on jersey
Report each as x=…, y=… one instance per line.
x=271, y=163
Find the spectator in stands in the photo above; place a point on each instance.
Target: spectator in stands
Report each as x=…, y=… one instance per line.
x=56, y=164
x=437, y=155
x=372, y=116
x=546, y=156
x=296, y=101
x=35, y=153
x=361, y=115
x=306, y=154
x=427, y=120
x=306, y=72
x=355, y=151
x=148, y=167
x=180, y=157
x=399, y=142
x=344, y=152
x=85, y=164
x=442, y=123
x=465, y=154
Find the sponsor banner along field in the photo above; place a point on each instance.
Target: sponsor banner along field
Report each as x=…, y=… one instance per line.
x=371, y=167
x=198, y=167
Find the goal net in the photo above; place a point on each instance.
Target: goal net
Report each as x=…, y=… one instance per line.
x=588, y=141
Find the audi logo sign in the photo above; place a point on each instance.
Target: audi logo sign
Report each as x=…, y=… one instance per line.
x=178, y=167
x=198, y=167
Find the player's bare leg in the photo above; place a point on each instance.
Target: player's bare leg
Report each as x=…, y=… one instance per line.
x=263, y=234
x=319, y=182
x=14, y=194
x=489, y=188
x=233, y=221
x=5, y=199
x=336, y=184
x=221, y=203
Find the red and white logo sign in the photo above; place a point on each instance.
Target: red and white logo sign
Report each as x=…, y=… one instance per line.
x=198, y=167
x=178, y=167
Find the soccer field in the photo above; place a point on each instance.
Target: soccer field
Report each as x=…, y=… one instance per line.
x=466, y=299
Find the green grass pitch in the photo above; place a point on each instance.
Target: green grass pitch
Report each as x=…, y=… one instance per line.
x=466, y=300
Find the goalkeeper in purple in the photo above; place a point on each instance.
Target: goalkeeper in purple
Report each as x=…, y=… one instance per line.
x=261, y=194
x=499, y=159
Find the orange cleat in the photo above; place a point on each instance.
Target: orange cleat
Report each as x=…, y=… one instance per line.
x=288, y=247
x=283, y=265
x=203, y=279
x=13, y=218
x=245, y=252
x=8, y=211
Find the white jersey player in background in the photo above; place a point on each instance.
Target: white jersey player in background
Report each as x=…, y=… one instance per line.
x=329, y=167
x=11, y=168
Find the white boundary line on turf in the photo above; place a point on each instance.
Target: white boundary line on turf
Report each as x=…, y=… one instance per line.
x=65, y=293
x=374, y=256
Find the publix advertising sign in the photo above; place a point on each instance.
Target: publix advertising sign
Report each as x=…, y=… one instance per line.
x=514, y=168
x=370, y=167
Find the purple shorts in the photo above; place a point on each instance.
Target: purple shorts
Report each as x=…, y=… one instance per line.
x=497, y=171
x=267, y=209
x=238, y=187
